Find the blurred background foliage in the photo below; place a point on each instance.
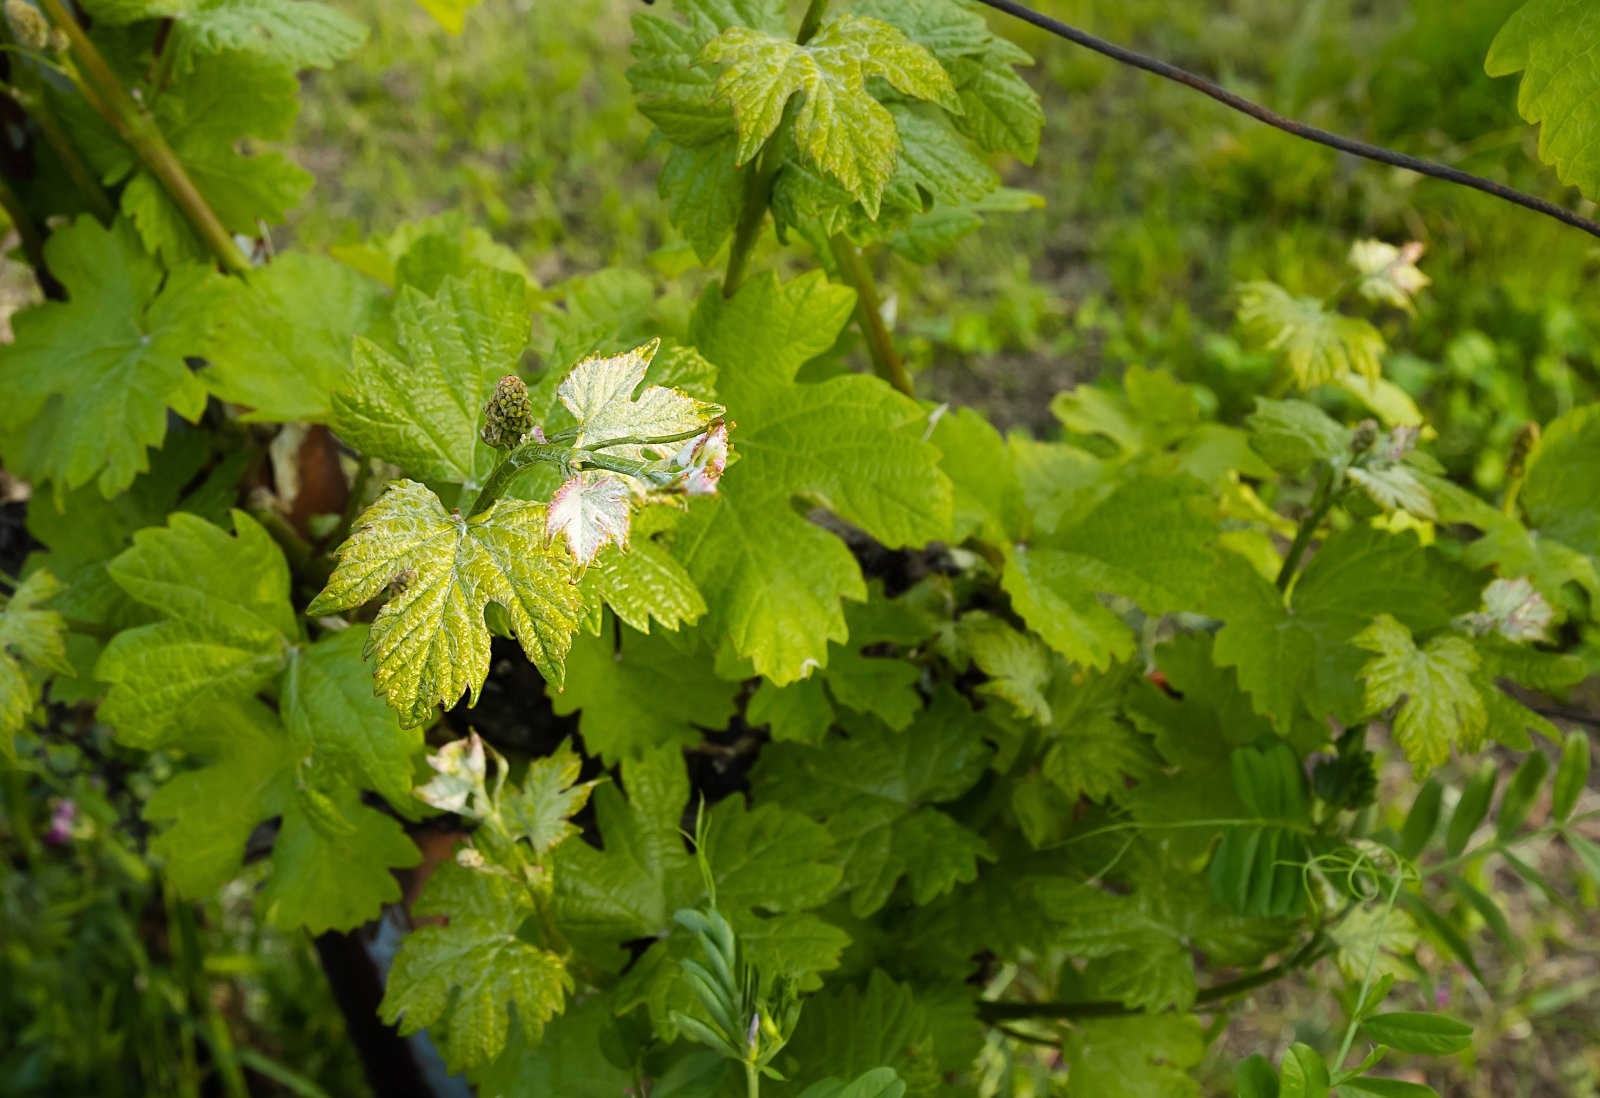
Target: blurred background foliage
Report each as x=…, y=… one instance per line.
x=1155, y=204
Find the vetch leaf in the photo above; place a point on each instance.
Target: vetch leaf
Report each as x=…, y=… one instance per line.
x=1572, y=775
x=429, y=642
x=1413, y=1031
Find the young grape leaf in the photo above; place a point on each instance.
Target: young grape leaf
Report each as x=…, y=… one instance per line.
x=774, y=582
x=839, y=125
x=998, y=109
x=1442, y=708
x=1551, y=43
x=30, y=633
x=646, y=582
x=1293, y=435
x=603, y=395
x=225, y=628
x=461, y=980
x=640, y=695
x=876, y=790
x=590, y=511
x=1319, y=346
x=332, y=856
x=330, y=709
x=1561, y=495
x=422, y=412
x=298, y=33
x=253, y=360
x=91, y=378
x=429, y=642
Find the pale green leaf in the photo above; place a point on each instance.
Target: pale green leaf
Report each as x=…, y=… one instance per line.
x=774, y=582
x=252, y=359
x=1293, y=436
x=225, y=630
x=643, y=584
x=839, y=125
x=429, y=643
x=1319, y=346
x=450, y=14
x=1442, y=709
x=331, y=710
x=1551, y=42
x=464, y=980
x=604, y=396
x=422, y=412
x=29, y=633
x=90, y=379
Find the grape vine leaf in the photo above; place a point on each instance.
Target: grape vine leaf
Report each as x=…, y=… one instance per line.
x=1146, y=1056
x=773, y=581
x=877, y=1083
x=298, y=33
x=1320, y=346
x=250, y=360
x=1442, y=707
x=604, y=396
x=224, y=100
x=1152, y=540
x=589, y=512
x=998, y=109
x=640, y=694
x=800, y=711
x=91, y=378
x=571, y=1061
x=429, y=642
x=461, y=980
x=225, y=629
x=839, y=125
x=877, y=791
x=645, y=583
x=847, y=1030
x=422, y=412
x=330, y=709
x=332, y=856
x=1300, y=654
x=1551, y=43
x=28, y=632
x=1561, y=495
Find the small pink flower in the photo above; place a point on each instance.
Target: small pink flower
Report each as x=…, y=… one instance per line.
x=62, y=817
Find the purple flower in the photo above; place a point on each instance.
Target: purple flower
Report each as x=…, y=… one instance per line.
x=62, y=818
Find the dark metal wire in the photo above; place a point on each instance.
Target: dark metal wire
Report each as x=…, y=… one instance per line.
x=1289, y=125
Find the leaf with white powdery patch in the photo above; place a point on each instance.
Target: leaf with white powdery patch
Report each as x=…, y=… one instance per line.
x=590, y=511
x=429, y=641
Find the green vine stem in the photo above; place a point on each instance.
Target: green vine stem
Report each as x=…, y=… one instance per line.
x=1310, y=952
x=811, y=22
x=138, y=129
x=752, y=215
x=886, y=361
x=32, y=242
x=31, y=100
x=1322, y=502
x=752, y=1080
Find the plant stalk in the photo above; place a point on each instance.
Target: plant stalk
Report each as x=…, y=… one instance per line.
x=886, y=361
x=812, y=21
x=32, y=242
x=752, y=1080
x=32, y=102
x=1322, y=502
x=752, y=215
x=136, y=126
x=1314, y=949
